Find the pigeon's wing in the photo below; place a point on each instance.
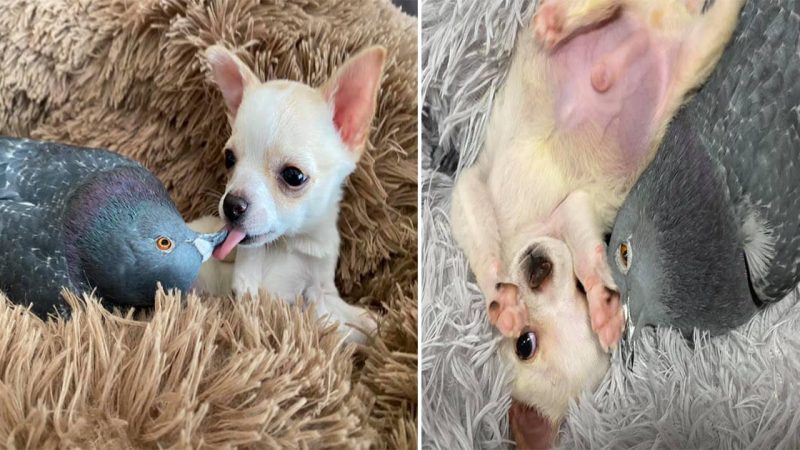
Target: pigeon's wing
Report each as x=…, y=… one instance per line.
x=45, y=173
x=8, y=194
x=33, y=267
x=772, y=181
x=747, y=115
x=762, y=154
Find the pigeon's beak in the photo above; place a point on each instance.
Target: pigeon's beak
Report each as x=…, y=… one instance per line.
x=629, y=326
x=205, y=243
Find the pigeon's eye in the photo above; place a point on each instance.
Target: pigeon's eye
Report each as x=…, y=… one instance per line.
x=164, y=243
x=624, y=257
x=230, y=158
x=293, y=177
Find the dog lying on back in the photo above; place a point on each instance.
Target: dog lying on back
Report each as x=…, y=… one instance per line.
x=590, y=91
x=291, y=148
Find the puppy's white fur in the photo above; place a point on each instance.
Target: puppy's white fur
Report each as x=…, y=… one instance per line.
x=292, y=242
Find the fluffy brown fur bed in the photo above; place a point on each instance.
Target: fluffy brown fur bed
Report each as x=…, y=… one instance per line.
x=129, y=75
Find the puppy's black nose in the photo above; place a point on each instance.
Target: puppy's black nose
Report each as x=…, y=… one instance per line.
x=234, y=207
x=539, y=269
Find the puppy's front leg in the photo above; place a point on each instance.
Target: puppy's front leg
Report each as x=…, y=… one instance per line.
x=354, y=322
x=574, y=219
x=248, y=271
x=474, y=227
x=709, y=34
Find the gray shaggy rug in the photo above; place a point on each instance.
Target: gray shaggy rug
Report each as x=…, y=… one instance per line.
x=736, y=391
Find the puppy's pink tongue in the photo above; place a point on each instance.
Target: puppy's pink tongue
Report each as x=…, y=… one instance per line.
x=234, y=237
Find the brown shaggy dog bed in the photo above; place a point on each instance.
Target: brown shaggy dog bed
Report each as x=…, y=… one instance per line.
x=206, y=372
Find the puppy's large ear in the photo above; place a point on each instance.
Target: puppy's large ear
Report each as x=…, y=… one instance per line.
x=352, y=92
x=231, y=75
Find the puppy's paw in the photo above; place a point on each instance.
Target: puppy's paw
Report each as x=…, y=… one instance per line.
x=548, y=23
x=355, y=323
x=366, y=323
x=359, y=330
x=506, y=312
x=556, y=20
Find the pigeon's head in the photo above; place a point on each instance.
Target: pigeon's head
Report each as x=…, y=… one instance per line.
x=674, y=243
x=637, y=264
x=156, y=246
x=126, y=236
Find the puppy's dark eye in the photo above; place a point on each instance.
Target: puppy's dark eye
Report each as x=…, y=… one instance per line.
x=230, y=158
x=526, y=345
x=293, y=176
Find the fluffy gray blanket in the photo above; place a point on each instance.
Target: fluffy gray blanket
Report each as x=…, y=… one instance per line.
x=735, y=391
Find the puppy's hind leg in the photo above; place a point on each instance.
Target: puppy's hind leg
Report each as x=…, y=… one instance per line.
x=708, y=36
x=556, y=20
x=474, y=227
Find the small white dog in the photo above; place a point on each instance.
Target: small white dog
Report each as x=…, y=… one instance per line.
x=290, y=150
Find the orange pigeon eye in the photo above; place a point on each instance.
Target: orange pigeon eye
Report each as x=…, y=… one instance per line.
x=624, y=255
x=164, y=244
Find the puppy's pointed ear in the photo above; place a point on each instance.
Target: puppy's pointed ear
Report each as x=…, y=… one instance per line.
x=231, y=76
x=352, y=92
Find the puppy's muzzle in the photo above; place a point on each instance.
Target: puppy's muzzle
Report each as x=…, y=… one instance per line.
x=234, y=208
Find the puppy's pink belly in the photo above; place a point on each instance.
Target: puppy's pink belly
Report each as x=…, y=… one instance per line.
x=630, y=67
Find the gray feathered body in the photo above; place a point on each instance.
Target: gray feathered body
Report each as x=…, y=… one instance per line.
x=76, y=218
x=714, y=222
x=748, y=120
x=36, y=181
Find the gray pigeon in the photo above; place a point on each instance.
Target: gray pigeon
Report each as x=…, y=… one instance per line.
x=711, y=231
x=89, y=219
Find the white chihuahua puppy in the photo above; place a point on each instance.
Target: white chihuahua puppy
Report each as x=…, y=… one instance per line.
x=291, y=148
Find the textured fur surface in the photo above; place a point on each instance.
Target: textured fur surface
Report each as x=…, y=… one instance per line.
x=730, y=392
x=130, y=76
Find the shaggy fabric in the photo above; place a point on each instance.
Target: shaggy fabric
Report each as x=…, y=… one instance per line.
x=735, y=391
x=209, y=373
x=130, y=76
x=730, y=392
